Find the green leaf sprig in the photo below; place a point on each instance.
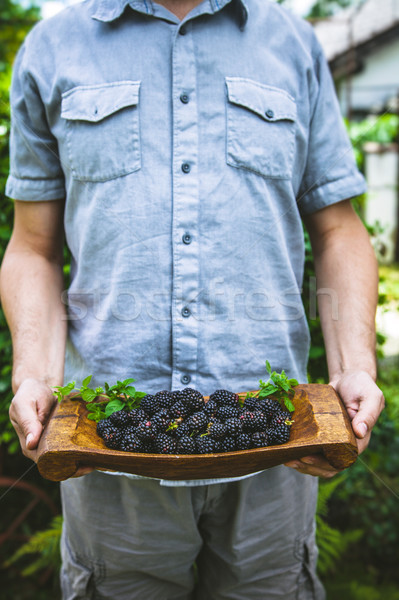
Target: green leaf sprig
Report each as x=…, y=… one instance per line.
x=279, y=386
x=102, y=402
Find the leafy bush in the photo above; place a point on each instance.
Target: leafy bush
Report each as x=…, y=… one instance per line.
x=368, y=498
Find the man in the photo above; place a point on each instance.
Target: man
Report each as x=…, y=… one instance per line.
x=178, y=145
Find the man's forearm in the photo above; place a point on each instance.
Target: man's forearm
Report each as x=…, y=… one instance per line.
x=347, y=284
x=31, y=287
x=347, y=281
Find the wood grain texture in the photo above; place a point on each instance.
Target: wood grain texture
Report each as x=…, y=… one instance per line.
x=321, y=425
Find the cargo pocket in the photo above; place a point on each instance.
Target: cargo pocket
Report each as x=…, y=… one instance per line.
x=79, y=576
x=102, y=131
x=260, y=128
x=309, y=586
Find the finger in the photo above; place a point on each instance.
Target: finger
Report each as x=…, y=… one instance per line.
x=369, y=410
x=314, y=465
x=29, y=411
x=27, y=426
x=82, y=471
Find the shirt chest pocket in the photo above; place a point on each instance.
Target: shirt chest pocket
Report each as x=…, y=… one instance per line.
x=102, y=130
x=260, y=128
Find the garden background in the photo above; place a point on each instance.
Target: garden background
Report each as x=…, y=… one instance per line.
x=358, y=513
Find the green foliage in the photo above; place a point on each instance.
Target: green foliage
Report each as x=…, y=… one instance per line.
x=279, y=386
x=383, y=129
x=45, y=545
x=102, y=402
x=327, y=8
x=332, y=543
x=368, y=498
x=15, y=22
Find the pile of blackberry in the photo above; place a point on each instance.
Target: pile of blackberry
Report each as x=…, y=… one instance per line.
x=181, y=422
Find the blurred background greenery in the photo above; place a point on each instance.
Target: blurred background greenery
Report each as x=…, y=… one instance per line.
x=358, y=512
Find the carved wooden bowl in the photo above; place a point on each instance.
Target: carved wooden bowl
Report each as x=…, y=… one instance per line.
x=321, y=425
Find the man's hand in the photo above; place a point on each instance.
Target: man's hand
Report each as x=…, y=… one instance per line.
x=364, y=403
x=29, y=412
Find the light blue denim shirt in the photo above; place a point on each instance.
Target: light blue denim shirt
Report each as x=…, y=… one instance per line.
x=187, y=153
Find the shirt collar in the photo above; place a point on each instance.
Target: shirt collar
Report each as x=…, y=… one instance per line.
x=110, y=10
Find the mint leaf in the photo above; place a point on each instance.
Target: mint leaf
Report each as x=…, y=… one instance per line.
x=279, y=386
x=114, y=406
x=86, y=381
x=62, y=391
x=88, y=395
x=289, y=405
x=130, y=391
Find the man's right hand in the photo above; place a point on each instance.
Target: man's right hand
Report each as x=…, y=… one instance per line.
x=29, y=412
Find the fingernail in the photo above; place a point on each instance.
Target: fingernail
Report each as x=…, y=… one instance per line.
x=308, y=460
x=362, y=429
x=29, y=438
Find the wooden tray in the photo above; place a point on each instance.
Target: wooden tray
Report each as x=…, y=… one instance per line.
x=321, y=425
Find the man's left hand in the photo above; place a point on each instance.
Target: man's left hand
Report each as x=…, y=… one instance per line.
x=364, y=402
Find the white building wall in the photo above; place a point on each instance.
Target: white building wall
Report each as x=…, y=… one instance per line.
x=377, y=84
x=381, y=210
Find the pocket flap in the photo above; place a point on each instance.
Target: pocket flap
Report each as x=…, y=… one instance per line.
x=95, y=102
x=270, y=103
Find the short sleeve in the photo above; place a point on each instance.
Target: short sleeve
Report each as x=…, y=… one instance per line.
x=331, y=174
x=35, y=170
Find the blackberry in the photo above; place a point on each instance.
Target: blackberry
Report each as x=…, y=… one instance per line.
x=244, y=441
x=179, y=409
x=102, y=426
x=193, y=399
x=217, y=430
x=130, y=442
x=112, y=437
x=164, y=444
x=181, y=430
x=176, y=395
x=269, y=406
x=280, y=417
x=233, y=426
x=228, y=444
x=146, y=431
x=211, y=407
x=279, y=434
x=205, y=445
x=149, y=404
x=197, y=422
x=251, y=403
x=225, y=412
x=135, y=416
x=165, y=399
x=161, y=420
x=186, y=445
x=259, y=439
x=224, y=398
x=120, y=418
x=253, y=421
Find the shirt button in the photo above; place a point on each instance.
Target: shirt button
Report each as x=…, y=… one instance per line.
x=187, y=238
x=186, y=312
x=269, y=113
x=184, y=98
x=185, y=379
x=185, y=168
x=182, y=30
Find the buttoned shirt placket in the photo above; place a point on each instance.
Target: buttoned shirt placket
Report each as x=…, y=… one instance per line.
x=185, y=202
